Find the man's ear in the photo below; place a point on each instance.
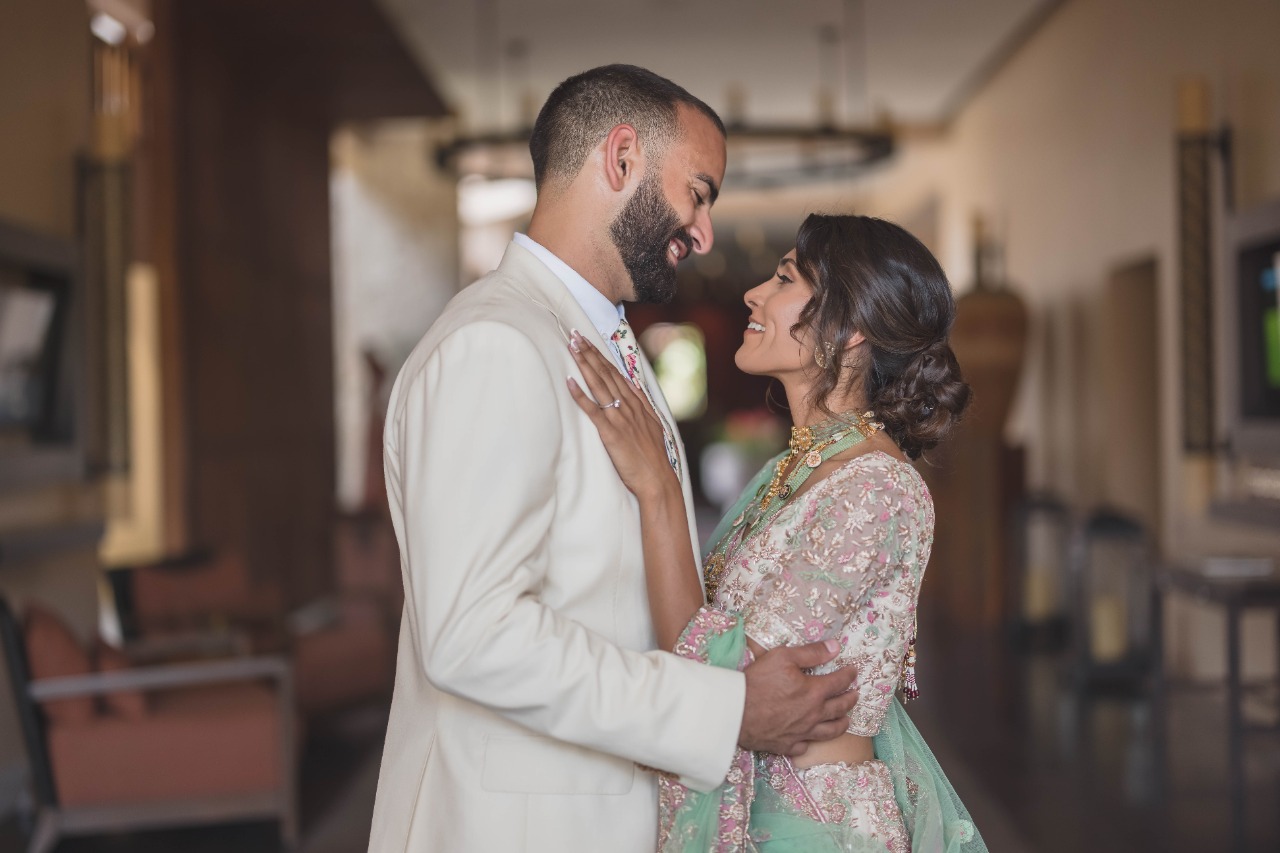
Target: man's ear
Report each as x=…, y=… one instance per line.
x=621, y=156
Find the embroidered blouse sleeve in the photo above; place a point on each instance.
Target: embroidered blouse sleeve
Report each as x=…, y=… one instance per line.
x=848, y=565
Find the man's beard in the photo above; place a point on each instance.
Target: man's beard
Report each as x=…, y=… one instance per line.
x=643, y=232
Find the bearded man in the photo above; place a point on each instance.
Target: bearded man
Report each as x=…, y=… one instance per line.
x=529, y=702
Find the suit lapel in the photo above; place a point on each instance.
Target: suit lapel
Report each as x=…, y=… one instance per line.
x=542, y=287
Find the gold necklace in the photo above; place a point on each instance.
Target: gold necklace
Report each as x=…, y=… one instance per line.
x=812, y=441
x=804, y=441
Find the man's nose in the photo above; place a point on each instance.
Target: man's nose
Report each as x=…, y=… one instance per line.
x=702, y=232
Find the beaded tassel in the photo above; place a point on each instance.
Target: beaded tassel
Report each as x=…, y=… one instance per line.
x=910, y=690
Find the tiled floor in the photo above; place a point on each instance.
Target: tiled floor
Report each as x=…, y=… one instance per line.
x=1041, y=770
x=1078, y=774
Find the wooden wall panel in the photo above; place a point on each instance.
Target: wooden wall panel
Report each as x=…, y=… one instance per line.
x=252, y=92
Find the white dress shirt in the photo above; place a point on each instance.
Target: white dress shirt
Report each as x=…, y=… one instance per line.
x=604, y=315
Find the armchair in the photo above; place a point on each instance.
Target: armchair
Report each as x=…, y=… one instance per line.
x=206, y=742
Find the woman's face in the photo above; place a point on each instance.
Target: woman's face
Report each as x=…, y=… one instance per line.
x=768, y=348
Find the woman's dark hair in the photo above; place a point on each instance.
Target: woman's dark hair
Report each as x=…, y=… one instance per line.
x=873, y=277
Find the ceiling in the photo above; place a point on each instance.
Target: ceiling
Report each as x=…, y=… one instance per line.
x=916, y=60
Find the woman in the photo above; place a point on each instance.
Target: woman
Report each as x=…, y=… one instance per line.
x=829, y=541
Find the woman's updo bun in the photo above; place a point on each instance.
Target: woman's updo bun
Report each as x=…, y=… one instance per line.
x=920, y=406
x=873, y=277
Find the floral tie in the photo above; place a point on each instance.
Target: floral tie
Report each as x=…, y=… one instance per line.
x=625, y=340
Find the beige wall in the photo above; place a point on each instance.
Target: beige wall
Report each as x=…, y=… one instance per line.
x=395, y=264
x=1069, y=152
x=44, y=111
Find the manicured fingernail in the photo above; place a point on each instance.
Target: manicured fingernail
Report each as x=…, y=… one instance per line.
x=573, y=343
x=832, y=646
x=573, y=383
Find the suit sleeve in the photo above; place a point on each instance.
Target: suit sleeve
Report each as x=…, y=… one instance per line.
x=473, y=461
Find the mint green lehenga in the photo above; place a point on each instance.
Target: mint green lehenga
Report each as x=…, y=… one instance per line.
x=842, y=560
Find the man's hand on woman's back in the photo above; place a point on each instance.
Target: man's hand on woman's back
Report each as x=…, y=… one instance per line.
x=786, y=708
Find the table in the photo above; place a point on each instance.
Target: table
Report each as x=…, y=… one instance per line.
x=1234, y=594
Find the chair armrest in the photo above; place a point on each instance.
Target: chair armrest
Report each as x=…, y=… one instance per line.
x=188, y=646
x=151, y=677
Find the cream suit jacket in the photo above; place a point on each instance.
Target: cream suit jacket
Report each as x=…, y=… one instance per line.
x=527, y=686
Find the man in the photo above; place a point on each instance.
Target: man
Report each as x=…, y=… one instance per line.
x=527, y=691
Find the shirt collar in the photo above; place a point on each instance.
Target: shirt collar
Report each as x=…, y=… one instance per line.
x=602, y=313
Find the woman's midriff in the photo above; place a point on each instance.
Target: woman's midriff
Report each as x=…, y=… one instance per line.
x=851, y=749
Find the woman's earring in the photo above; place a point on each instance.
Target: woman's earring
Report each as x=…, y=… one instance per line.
x=823, y=353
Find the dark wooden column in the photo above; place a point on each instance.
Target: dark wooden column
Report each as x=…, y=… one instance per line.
x=245, y=96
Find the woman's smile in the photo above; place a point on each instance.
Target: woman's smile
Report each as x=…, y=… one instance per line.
x=769, y=347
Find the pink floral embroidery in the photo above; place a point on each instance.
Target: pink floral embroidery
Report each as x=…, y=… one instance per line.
x=844, y=560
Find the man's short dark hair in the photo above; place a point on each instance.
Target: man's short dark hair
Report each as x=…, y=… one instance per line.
x=583, y=109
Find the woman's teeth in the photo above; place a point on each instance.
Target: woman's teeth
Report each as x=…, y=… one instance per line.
x=755, y=327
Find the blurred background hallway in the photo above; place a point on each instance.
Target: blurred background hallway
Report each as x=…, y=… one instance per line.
x=224, y=223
